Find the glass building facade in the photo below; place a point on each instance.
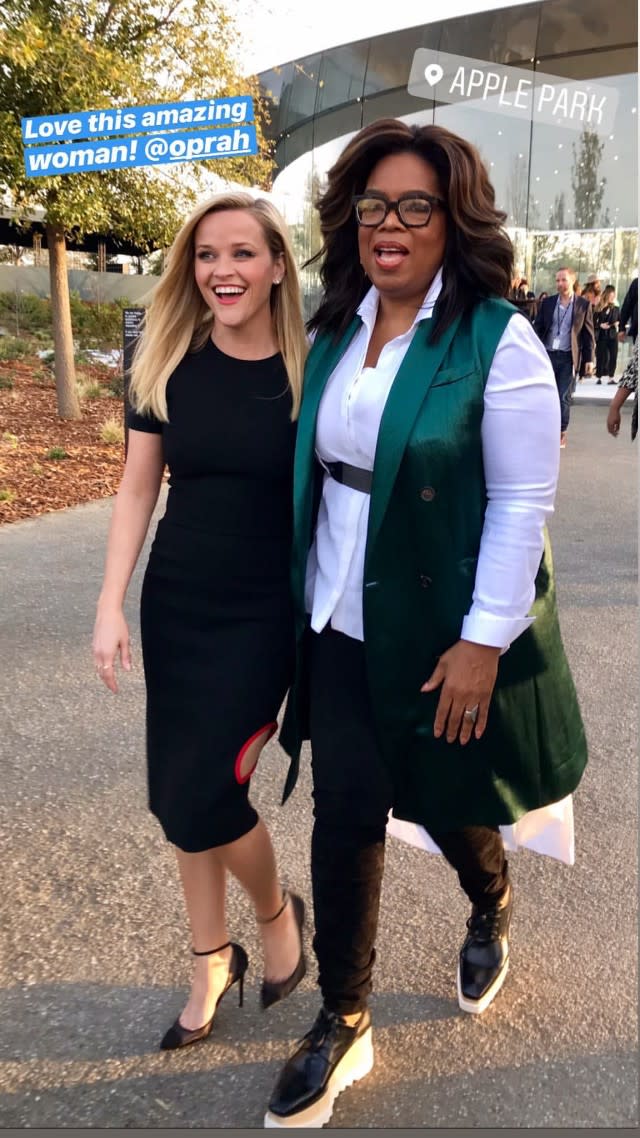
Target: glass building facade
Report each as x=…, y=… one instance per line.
x=571, y=197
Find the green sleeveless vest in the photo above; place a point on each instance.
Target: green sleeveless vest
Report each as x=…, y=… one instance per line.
x=427, y=508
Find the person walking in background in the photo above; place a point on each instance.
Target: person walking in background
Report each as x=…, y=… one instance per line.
x=577, y=288
x=594, y=284
x=564, y=323
x=431, y=676
x=629, y=313
x=606, y=319
x=627, y=386
x=215, y=388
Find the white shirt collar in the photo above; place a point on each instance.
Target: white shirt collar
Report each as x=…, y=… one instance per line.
x=368, y=308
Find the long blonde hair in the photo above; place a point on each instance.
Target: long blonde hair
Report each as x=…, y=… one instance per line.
x=607, y=298
x=179, y=320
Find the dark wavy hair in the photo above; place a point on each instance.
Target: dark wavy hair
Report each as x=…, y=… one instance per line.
x=478, y=259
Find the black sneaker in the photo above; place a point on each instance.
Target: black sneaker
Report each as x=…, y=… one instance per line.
x=484, y=956
x=330, y=1057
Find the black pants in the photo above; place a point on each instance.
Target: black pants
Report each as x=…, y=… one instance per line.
x=606, y=356
x=352, y=798
x=562, y=365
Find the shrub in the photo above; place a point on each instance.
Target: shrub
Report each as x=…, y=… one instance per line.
x=56, y=453
x=7, y=495
x=43, y=378
x=6, y=382
x=112, y=431
x=116, y=386
x=37, y=469
x=9, y=441
x=89, y=389
x=13, y=348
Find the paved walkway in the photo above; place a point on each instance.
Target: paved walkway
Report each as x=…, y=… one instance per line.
x=93, y=946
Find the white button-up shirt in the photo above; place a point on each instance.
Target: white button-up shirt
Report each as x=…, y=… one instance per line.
x=520, y=446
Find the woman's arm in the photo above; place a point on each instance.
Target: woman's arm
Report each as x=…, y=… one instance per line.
x=521, y=454
x=134, y=505
x=613, y=417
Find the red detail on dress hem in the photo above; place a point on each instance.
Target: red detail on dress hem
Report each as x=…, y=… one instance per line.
x=271, y=728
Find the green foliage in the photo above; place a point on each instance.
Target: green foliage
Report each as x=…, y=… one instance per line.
x=93, y=54
x=12, y=348
x=116, y=386
x=10, y=441
x=56, y=453
x=6, y=382
x=7, y=495
x=93, y=324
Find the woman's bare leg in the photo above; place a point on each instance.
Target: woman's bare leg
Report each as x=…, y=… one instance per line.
x=203, y=882
x=252, y=861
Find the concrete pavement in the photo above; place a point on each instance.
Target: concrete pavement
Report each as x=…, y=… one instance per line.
x=94, y=958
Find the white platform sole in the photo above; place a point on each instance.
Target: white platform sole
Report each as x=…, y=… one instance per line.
x=357, y=1063
x=476, y=1007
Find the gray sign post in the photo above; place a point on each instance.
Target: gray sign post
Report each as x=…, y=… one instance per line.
x=132, y=324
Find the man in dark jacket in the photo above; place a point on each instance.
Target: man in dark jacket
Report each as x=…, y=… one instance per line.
x=564, y=323
x=629, y=312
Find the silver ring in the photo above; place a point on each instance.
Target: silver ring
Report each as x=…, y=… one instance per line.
x=471, y=713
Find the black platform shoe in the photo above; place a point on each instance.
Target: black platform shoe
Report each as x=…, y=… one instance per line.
x=329, y=1059
x=484, y=956
x=274, y=990
x=179, y=1036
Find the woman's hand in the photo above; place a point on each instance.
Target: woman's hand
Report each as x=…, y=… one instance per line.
x=110, y=637
x=467, y=673
x=613, y=421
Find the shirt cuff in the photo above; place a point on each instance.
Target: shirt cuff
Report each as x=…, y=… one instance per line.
x=494, y=631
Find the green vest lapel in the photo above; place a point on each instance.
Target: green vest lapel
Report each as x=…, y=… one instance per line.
x=321, y=361
x=415, y=376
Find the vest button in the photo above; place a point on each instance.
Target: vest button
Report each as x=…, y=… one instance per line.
x=427, y=493
x=425, y=581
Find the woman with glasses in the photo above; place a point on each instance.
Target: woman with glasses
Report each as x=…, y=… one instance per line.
x=431, y=675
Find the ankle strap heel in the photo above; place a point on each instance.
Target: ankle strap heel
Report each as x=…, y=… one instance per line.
x=285, y=901
x=211, y=951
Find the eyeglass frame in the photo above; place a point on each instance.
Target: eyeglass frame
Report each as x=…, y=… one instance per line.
x=432, y=199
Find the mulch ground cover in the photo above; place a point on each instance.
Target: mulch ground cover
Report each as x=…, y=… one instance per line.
x=32, y=480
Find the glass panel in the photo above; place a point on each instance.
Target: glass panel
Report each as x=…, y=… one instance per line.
x=570, y=26
x=304, y=89
x=342, y=75
x=504, y=36
x=276, y=88
x=503, y=143
x=391, y=56
x=344, y=120
x=588, y=180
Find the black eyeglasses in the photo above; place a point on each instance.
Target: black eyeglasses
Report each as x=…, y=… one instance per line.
x=413, y=209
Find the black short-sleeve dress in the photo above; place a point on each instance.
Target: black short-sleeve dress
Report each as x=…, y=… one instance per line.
x=216, y=614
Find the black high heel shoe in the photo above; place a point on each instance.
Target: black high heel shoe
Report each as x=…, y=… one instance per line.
x=179, y=1036
x=274, y=990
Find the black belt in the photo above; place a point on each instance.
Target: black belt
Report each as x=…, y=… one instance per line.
x=354, y=476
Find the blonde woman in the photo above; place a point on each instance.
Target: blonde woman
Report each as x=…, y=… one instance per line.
x=606, y=320
x=216, y=390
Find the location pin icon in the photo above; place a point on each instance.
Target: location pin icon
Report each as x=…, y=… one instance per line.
x=433, y=74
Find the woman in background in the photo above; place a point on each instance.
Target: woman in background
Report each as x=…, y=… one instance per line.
x=606, y=320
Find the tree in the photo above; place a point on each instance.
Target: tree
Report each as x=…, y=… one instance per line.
x=60, y=56
x=588, y=191
x=556, y=213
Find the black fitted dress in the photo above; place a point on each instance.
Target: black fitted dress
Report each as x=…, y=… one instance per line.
x=216, y=616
